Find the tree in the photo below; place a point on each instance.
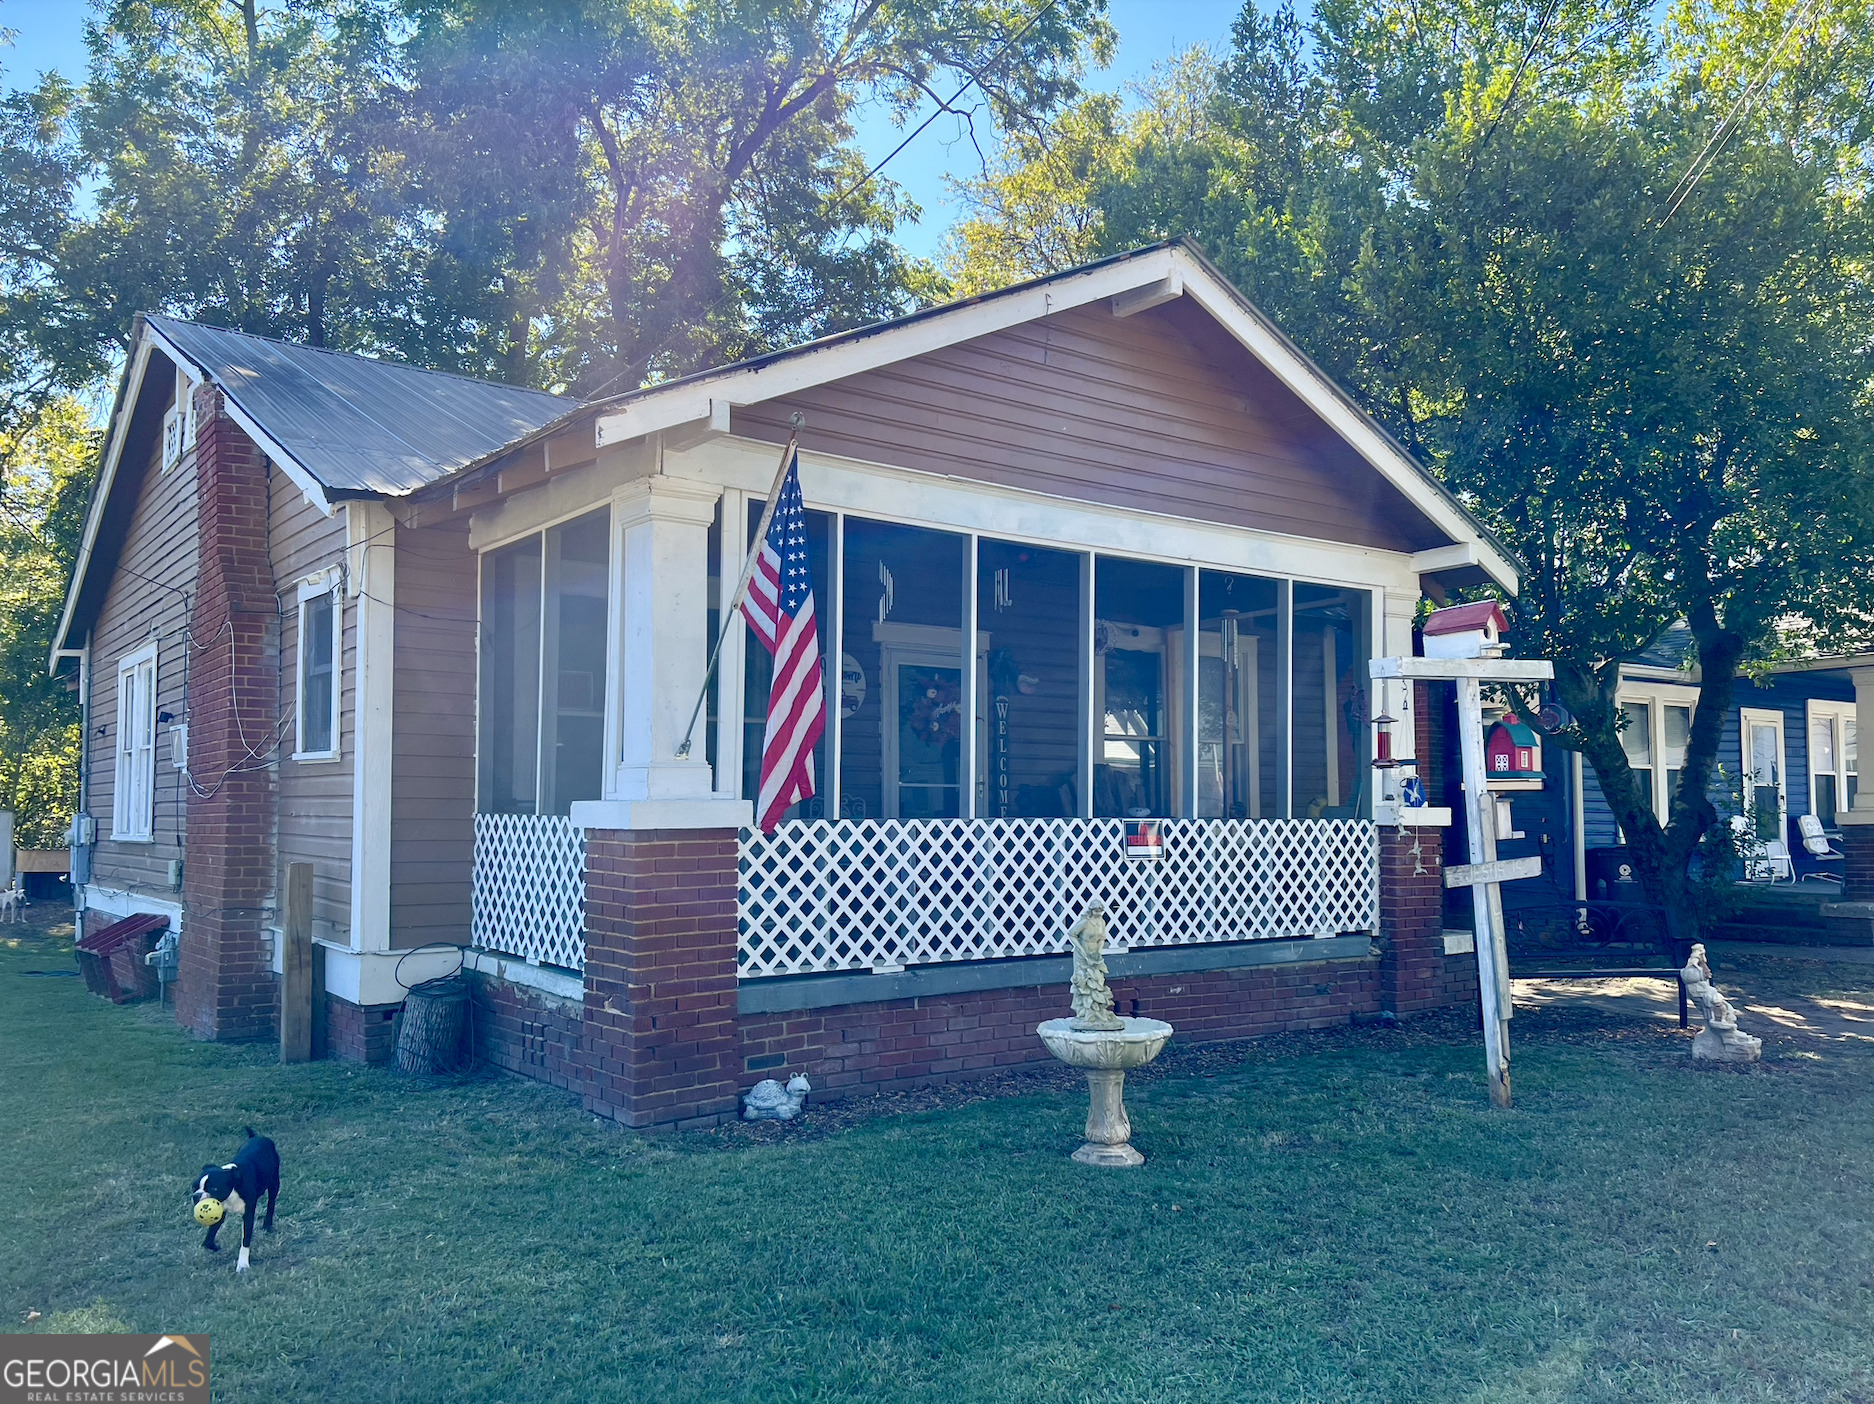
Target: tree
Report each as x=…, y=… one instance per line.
x=45, y=465
x=1468, y=217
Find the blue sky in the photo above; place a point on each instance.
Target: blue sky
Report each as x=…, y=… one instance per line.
x=48, y=35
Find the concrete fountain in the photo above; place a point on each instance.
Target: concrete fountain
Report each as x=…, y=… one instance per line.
x=1102, y=1044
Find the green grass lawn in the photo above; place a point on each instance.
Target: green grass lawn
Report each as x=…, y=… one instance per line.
x=1333, y=1217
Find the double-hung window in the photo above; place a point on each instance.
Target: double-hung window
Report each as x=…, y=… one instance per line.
x=133, y=795
x=320, y=632
x=1832, y=760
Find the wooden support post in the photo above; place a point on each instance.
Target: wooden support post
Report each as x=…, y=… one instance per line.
x=296, y=992
x=1493, y=984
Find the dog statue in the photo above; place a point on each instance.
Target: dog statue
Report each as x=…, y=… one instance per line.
x=236, y=1188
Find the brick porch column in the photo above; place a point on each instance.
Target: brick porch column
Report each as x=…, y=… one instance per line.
x=225, y=987
x=1411, y=906
x=660, y=1039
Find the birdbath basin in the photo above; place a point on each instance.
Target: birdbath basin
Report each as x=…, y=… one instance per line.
x=1106, y=1055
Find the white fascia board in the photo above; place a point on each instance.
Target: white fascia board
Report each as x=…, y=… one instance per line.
x=107, y=477
x=887, y=493
x=789, y=375
x=296, y=472
x=1323, y=397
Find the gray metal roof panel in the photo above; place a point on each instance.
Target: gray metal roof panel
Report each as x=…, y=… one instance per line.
x=360, y=425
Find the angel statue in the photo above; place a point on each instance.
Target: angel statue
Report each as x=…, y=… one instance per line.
x=1093, y=1002
x=1720, y=1039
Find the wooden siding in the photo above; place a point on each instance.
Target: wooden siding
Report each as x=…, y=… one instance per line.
x=315, y=796
x=432, y=849
x=1162, y=412
x=148, y=593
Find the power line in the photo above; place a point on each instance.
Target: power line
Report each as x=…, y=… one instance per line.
x=1734, y=118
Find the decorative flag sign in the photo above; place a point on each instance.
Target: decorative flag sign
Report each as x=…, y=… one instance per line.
x=779, y=609
x=1145, y=838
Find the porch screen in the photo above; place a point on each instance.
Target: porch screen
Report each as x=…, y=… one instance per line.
x=1329, y=689
x=1139, y=672
x=1239, y=765
x=901, y=705
x=545, y=613
x=1029, y=738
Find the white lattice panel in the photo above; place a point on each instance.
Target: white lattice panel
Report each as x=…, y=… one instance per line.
x=851, y=895
x=530, y=888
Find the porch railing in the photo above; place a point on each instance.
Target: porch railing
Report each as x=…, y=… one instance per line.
x=858, y=895
x=530, y=888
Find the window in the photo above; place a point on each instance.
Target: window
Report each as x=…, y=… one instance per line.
x=1656, y=732
x=545, y=610
x=133, y=796
x=1832, y=760
x=319, y=643
x=1237, y=769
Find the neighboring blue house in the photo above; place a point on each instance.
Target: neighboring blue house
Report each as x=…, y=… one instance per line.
x=1787, y=749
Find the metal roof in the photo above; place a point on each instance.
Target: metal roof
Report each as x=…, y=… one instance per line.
x=359, y=426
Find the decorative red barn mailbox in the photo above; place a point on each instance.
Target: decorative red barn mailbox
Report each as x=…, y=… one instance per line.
x=1513, y=751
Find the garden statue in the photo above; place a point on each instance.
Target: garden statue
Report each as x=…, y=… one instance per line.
x=1092, y=1000
x=767, y=1100
x=1101, y=1044
x=1719, y=1040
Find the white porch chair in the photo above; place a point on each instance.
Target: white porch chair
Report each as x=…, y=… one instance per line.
x=1820, y=847
x=1772, y=864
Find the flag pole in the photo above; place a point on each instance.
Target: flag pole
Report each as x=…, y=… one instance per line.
x=741, y=586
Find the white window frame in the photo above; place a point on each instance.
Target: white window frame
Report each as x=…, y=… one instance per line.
x=1842, y=715
x=1656, y=697
x=1765, y=716
x=133, y=790
x=325, y=585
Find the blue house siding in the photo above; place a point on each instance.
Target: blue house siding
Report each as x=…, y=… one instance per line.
x=1788, y=693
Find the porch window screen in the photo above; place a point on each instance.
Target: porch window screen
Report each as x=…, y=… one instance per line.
x=133, y=793
x=1139, y=671
x=902, y=705
x=1238, y=765
x=1329, y=702
x=545, y=616
x=1093, y=685
x=1028, y=733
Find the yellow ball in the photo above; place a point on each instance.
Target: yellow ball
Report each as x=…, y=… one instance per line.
x=208, y=1212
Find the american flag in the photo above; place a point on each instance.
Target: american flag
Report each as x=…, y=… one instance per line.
x=779, y=608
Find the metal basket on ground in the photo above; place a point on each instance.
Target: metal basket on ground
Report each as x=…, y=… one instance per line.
x=435, y=1030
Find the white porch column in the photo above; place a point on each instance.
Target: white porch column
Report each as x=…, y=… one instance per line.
x=661, y=534
x=371, y=564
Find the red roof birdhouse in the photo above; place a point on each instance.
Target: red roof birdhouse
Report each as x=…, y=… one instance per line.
x=1513, y=751
x=1465, y=631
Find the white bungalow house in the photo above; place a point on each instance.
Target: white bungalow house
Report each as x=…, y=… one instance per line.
x=1101, y=547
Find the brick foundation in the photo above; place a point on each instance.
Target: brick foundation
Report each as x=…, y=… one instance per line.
x=660, y=1042
x=874, y=1047
x=531, y=1034
x=225, y=987
x=360, y=1033
x=1857, y=846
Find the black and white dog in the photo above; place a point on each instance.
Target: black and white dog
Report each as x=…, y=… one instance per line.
x=237, y=1188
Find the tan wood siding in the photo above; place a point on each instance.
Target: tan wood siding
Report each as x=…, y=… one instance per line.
x=315, y=796
x=148, y=594
x=1162, y=412
x=432, y=849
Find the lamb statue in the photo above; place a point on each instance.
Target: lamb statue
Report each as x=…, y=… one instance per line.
x=1719, y=1040
x=1092, y=1000
x=767, y=1100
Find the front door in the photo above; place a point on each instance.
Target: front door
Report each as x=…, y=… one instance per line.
x=1766, y=793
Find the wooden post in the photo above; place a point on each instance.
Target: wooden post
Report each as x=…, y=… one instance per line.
x=1486, y=898
x=296, y=967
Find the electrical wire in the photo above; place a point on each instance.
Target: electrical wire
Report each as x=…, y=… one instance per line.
x=1734, y=118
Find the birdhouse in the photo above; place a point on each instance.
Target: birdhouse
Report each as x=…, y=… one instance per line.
x=1513, y=751
x=1465, y=631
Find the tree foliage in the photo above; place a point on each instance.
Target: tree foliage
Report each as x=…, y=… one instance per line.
x=1471, y=217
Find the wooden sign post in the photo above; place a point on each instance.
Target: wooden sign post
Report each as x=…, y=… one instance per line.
x=1485, y=871
x=296, y=991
